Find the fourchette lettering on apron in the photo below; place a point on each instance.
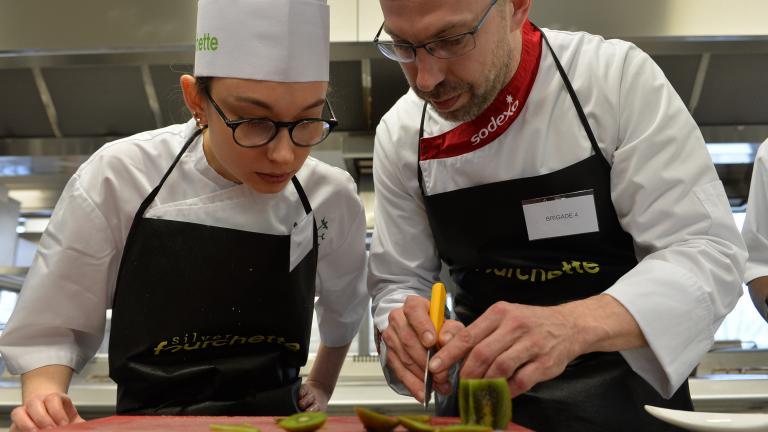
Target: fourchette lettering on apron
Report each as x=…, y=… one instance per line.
x=532, y=248
x=210, y=320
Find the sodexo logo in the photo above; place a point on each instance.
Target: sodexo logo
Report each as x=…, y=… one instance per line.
x=497, y=121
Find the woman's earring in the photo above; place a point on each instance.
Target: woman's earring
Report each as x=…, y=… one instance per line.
x=197, y=120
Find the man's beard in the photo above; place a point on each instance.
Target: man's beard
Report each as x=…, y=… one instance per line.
x=481, y=94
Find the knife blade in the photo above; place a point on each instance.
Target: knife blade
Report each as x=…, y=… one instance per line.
x=437, y=316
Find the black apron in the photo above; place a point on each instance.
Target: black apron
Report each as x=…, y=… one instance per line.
x=480, y=232
x=209, y=320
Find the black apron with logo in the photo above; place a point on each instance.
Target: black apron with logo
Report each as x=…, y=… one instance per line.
x=480, y=232
x=209, y=320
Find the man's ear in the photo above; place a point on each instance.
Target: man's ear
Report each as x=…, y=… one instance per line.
x=521, y=9
x=194, y=99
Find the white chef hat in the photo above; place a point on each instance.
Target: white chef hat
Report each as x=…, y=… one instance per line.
x=270, y=40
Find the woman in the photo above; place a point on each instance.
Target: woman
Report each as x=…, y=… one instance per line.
x=206, y=239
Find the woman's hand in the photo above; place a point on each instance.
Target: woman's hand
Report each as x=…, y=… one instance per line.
x=44, y=412
x=312, y=397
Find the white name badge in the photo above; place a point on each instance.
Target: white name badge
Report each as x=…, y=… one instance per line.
x=561, y=215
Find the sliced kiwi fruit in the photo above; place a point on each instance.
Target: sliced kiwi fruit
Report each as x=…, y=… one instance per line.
x=465, y=428
x=485, y=402
x=423, y=418
x=376, y=422
x=303, y=421
x=414, y=425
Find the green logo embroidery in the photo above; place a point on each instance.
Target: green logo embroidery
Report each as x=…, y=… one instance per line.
x=207, y=42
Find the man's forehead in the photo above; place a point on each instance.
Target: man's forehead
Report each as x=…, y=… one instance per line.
x=400, y=7
x=424, y=19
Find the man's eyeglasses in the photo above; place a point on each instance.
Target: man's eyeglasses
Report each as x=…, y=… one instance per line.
x=257, y=132
x=443, y=48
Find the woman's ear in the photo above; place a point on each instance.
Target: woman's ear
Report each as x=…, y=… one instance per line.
x=194, y=99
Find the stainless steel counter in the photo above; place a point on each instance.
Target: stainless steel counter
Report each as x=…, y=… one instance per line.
x=730, y=393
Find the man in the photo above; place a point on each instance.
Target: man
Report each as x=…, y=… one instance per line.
x=755, y=233
x=563, y=182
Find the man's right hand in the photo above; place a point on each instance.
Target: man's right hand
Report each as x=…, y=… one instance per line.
x=43, y=412
x=408, y=337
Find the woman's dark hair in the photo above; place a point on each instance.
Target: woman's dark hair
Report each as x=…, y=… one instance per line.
x=203, y=84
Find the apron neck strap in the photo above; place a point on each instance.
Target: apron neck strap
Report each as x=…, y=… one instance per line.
x=151, y=197
x=576, y=103
x=302, y=195
x=418, y=158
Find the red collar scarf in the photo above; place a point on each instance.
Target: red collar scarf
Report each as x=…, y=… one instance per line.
x=500, y=114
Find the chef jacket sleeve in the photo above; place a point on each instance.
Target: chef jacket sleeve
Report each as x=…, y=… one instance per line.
x=755, y=230
x=60, y=314
x=668, y=197
x=342, y=299
x=403, y=259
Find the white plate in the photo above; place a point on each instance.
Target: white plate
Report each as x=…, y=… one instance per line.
x=711, y=422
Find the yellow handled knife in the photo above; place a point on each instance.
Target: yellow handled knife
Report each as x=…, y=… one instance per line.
x=437, y=316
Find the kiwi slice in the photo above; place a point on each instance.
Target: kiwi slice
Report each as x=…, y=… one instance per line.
x=423, y=418
x=465, y=428
x=376, y=422
x=485, y=402
x=303, y=422
x=414, y=425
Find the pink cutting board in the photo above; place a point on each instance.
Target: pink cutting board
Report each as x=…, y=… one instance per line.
x=201, y=424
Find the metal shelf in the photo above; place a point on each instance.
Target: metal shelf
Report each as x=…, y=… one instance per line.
x=12, y=278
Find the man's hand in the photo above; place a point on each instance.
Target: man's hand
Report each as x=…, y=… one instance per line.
x=43, y=412
x=530, y=344
x=525, y=344
x=409, y=335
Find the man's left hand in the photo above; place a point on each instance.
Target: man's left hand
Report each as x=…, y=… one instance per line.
x=524, y=344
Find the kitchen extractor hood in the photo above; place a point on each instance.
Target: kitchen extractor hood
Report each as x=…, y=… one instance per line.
x=96, y=70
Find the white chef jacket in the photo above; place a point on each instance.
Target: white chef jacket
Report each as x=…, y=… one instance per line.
x=663, y=185
x=60, y=314
x=755, y=229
